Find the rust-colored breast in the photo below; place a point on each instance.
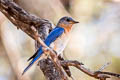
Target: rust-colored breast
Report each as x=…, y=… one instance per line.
x=66, y=27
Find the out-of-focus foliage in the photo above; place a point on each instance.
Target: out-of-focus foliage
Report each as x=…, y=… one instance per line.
x=94, y=41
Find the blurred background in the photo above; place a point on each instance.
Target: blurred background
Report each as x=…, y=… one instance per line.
x=94, y=41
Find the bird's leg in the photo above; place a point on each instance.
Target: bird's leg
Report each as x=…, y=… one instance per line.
x=46, y=52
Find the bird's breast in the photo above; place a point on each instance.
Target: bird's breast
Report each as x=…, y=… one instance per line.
x=60, y=43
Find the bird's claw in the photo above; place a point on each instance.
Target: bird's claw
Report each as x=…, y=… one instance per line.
x=45, y=49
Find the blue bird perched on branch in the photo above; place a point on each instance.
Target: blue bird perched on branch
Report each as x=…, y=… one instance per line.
x=57, y=39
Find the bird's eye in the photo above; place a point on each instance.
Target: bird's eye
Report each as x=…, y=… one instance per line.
x=68, y=20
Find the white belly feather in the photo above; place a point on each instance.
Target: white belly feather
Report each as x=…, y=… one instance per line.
x=60, y=43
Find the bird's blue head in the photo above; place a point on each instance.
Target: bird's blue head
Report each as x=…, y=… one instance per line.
x=66, y=22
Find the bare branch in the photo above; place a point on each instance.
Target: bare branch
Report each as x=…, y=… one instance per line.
x=96, y=74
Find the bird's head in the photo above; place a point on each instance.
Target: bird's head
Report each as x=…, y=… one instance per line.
x=66, y=22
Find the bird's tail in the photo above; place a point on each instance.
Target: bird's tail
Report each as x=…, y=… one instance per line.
x=32, y=57
x=30, y=64
x=33, y=61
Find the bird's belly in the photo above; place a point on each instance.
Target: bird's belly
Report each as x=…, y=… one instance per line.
x=59, y=45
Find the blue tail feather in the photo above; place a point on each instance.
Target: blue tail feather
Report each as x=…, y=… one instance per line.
x=33, y=61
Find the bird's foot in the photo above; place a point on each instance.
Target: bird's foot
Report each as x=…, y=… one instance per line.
x=45, y=49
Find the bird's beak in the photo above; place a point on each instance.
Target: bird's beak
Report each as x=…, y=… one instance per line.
x=74, y=22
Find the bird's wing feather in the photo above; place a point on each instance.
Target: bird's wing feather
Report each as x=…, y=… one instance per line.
x=33, y=56
x=51, y=37
x=54, y=34
x=32, y=62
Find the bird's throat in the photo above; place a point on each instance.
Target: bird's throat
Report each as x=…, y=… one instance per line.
x=66, y=27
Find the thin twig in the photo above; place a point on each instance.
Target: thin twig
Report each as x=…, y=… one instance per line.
x=104, y=66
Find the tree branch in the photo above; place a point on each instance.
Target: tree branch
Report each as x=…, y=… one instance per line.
x=96, y=74
x=38, y=29
x=29, y=24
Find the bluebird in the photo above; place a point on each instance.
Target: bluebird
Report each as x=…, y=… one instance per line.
x=56, y=40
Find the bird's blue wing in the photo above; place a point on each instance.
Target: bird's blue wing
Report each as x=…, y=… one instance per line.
x=54, y=34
